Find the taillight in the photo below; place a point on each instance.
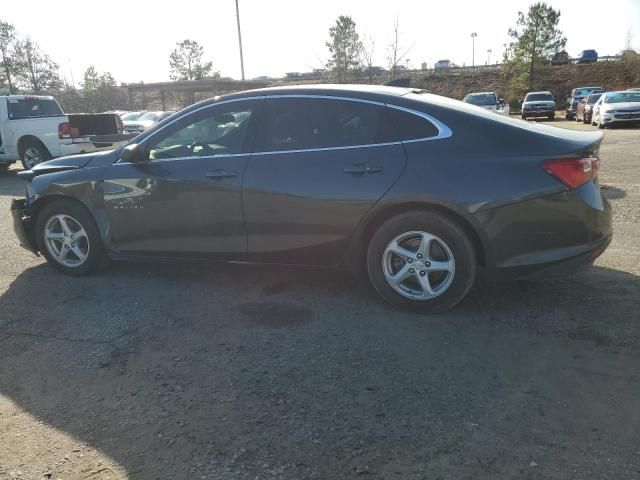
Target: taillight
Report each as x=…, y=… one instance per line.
x=120, y=124
x=64, y=130
x=573, y=172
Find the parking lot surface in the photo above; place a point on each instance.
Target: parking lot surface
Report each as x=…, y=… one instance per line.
x=236, y=372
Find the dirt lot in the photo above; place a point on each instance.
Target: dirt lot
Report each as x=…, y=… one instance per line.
x=221, y=372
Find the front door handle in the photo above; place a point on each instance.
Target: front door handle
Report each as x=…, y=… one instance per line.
x=221, y=173
x=362, y=169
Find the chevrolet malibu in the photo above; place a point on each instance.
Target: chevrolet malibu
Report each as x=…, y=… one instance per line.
x=417, y=192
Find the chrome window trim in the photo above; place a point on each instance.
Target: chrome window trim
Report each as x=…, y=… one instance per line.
x=443, y=130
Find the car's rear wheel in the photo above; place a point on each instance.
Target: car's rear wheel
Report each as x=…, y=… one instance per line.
x=585, y=119
x=32, y=154
x=422, y=261
x=68, y=238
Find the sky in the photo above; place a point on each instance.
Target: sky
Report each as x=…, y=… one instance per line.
x=133, y=39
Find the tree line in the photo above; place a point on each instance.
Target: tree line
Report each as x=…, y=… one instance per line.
x=26, y=69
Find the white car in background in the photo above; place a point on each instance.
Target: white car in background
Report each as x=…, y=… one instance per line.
x=145, y=121
x=616, y=108
x=489, y=101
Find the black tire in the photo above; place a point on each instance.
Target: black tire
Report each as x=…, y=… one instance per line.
x=36, y=147
x=446, y=229
x=75, y=210
x=551, y=118
x=585, y=120
x=523, y=117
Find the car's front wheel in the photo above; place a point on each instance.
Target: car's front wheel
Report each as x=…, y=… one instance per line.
x=68, y=237
x=422, y=261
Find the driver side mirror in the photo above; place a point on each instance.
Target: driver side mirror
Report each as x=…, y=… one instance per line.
x=132, y=153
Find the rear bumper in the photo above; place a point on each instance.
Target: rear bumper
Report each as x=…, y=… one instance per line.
x=552, y=235
x=23, y=225
x=94, y=143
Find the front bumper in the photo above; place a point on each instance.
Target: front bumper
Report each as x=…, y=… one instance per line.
x=610, y=119
x=23, y=225
x=547, y=112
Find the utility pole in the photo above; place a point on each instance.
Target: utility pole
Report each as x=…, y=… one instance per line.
x=240, y=40
x=473, y=57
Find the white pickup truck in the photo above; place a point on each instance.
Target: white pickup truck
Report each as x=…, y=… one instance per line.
x=34, y=129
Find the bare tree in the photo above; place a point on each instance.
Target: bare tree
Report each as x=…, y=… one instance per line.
x=628, y=39
x=38, y=73
x=368, y=47
x=396, y=52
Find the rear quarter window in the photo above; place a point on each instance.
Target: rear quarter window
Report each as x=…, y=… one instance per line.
x=410, y=126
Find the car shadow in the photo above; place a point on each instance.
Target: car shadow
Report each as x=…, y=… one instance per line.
x=612, y=193
x=240, y=371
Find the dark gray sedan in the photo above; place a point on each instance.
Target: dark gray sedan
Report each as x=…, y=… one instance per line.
x=417, y=191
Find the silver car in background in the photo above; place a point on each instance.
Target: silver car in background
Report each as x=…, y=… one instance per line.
x=616, y=108
x=145, y=121
x=489, y=101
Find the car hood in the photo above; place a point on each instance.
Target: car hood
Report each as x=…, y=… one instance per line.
x=71, y=162
x=621, y=106
x=546, y=103
x=144, y=123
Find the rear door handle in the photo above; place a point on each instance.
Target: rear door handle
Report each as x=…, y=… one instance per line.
x=362, y=169
x=221, y=173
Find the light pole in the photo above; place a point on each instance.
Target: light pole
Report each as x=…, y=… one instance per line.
x=489, y=57
x=240, y=40
x=473, y=57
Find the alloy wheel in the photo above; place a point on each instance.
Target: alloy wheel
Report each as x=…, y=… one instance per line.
x=66, y=240
x=418, y=265
x=32, y=157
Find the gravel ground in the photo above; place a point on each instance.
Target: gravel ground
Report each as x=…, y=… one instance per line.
x=221, y=372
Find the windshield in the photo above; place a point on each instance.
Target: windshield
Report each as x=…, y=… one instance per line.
x=593, y=98
x=538, y=97
x=131, y=116
x=583, y=92
x=622, y=97
x=481, y=99
x=151, y=116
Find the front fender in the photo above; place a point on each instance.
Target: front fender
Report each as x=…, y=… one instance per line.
x=84, y=186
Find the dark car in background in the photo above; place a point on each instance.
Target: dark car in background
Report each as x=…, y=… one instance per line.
x=584, y=109
x=489, y=101
x=417, y=192
x=538, y=104
x=588, y=56
x=560, y=58
x=578, y=94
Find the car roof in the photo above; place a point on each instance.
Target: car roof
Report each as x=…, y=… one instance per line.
x=541, y=91
x=481, y=93
x=315, y=89
x=24, y=97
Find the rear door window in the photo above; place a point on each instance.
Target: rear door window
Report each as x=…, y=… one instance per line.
x=312, y=123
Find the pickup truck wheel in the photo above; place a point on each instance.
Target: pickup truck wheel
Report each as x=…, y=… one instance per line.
x=68, y=238
x=32, y=154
